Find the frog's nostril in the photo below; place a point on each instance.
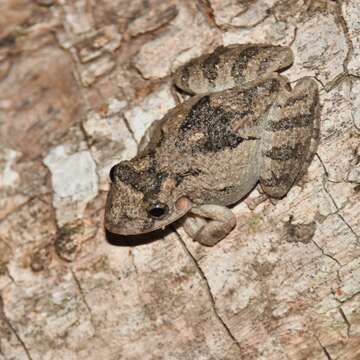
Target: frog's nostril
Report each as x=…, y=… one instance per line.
x=112, y=174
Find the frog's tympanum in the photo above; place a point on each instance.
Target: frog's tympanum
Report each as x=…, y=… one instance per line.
x=244, y=125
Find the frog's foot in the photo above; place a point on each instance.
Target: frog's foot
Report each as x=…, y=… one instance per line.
x=253, y=202
x=290, y=137
x=208, y=224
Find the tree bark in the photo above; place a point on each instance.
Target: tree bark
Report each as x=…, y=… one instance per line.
x=80, y=81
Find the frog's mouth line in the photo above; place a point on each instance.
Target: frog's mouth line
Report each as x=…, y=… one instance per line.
x=115, y=229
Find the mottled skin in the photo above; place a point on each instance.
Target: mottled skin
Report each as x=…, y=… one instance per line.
x=244, y=125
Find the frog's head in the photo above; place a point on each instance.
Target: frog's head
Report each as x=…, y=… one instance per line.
x=142, y=198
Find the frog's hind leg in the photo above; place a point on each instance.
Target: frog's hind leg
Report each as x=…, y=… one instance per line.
x=290, y=137
x=314, y=143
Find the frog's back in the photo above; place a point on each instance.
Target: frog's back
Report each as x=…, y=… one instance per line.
x=214, y=141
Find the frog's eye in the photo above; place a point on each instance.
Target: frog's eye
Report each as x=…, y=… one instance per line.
x=112, y=174
x=158, y=211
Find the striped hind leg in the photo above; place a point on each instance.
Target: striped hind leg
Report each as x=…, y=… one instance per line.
x=314, y=143
x=289, y=137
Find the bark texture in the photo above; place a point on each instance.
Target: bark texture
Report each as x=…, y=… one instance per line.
x=80, y=81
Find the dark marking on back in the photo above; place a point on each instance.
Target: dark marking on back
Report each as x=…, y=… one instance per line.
x=196, y=115
x=250, y=96
x=214, y=123
x=209, y=128
x=285, y=152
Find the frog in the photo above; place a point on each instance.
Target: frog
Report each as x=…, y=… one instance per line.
x=242, y=124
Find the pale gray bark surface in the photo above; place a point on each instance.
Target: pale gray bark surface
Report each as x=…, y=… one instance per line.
x=80, y=81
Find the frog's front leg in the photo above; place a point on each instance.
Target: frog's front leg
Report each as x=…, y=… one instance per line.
x=208, y=224
x=290, y=137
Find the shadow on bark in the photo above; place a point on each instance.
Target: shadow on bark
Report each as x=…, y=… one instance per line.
x=136, y=240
